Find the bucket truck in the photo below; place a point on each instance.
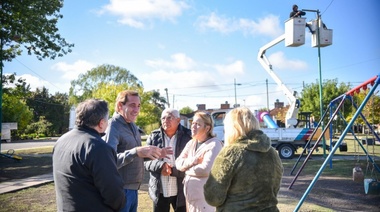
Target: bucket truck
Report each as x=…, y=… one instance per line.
x=286, y=140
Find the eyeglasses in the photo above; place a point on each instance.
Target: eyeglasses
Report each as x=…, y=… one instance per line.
x=169, y=118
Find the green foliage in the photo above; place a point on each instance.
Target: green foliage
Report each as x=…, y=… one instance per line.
x=371, y=110
x=98, y=79
x=331, y=90
x=152, y=106
x=31, y=24
x=15, y=87
x=149, y=128
x=16, y=110
x=186, y=110
x=108, y=92
x=54, y=108
x=106, y=81
x=36, y=129
x=310, y=101
x=24, y=106
x=14, y=106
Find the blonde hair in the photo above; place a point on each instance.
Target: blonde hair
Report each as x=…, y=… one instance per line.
x=206, y=117
x=238, y=123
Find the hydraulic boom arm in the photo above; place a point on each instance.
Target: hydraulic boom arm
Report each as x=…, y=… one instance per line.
x=291, y=115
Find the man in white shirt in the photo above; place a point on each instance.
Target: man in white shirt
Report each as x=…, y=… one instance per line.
x=165, y=183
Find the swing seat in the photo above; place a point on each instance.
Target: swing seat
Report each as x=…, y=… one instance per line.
x=368, y=141
x=343, y=147
x=357, y=174
x=371, y=186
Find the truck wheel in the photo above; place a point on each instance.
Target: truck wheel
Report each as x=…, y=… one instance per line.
x=286, y=151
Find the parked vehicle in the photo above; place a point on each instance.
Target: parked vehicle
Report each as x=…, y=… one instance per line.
x=285, y=140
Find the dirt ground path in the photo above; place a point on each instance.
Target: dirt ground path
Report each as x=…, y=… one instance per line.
x=329, y=192
x=337, y=194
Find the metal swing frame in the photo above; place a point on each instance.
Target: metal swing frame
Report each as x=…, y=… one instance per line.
x=374, y=81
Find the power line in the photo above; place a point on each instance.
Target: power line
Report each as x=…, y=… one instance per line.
x=37, y=74
x=327, y=7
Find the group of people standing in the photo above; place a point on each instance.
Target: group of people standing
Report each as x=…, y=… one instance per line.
x=100, y=164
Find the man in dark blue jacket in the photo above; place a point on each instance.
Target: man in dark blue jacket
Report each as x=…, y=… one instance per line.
x=165, y=183
x=84, y=166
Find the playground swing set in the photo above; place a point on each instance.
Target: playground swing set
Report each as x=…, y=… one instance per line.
x=357, y=172
x=371, y=184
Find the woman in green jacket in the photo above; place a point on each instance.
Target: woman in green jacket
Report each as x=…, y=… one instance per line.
x=246, y=174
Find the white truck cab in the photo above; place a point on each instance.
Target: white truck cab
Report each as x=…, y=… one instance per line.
x=285, y=140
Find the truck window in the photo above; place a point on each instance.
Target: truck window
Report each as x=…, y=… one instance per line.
x=218, y=118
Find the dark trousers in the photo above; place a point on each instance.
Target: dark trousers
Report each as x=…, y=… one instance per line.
x=163, y=204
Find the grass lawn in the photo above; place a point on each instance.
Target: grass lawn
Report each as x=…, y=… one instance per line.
x=42, y=198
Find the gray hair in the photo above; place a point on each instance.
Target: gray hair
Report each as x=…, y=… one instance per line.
x=171, y=111
x=90, y=112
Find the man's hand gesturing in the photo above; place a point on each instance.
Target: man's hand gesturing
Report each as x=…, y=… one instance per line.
x=153, y=152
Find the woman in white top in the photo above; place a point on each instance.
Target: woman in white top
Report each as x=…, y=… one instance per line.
x=196, y=161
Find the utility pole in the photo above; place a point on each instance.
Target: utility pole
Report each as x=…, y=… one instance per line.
x=167, y=97
x=267, y=95
x=173, y=100
x=235, y=105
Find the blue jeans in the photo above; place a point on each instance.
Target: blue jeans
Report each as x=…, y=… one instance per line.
x=131, y=201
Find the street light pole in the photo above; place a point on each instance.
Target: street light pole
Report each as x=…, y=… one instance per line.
x=319, y=24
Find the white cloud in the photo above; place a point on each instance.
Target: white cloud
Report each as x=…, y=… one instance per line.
x=216, y=23
x=184, y=79
x=269, y=25
x=35, y=82
x=134, y=13
x=72, y=71
x=232, y=69
x=161, y=46
x=191, y=80
x=187, y=72
x=62, y=83
x=279, y=61
x=179, y=61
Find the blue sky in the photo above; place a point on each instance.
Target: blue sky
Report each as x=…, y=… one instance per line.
x=196, y=49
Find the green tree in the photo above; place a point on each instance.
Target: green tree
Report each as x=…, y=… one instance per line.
x=54, y=109
x=152, y=105
x=40, y=128
x=108, y=92
x=59, y=113
x=106, y=81
x=16, y=110
x=371, y=110
x=14, y=104
x=331, y=89
x=15, y=87
x=86, y=84
x=186, y=110
x=31, y=24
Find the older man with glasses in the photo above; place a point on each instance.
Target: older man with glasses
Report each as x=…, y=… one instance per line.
x=165, y=183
